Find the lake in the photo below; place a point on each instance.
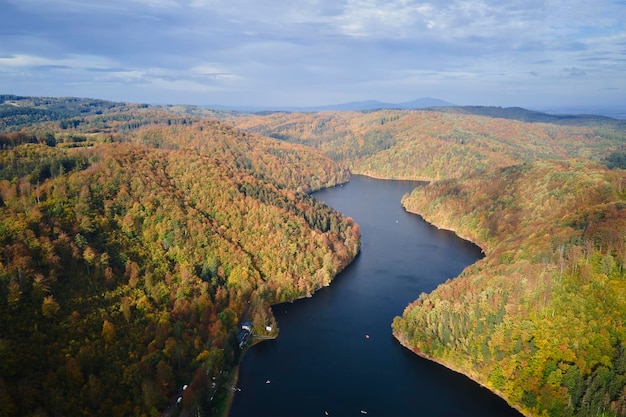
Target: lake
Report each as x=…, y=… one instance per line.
x=335, y=354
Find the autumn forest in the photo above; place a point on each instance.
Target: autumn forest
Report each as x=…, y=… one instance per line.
x=134, y=239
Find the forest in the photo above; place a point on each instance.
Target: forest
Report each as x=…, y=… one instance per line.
x=431, y=145
x=541, y=319
x=129, y=256
x=134, y=239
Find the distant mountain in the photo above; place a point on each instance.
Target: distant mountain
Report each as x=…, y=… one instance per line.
x=351, y=106
x=533, y=116
x=424, y=102
x=420, y=103
x=437, y=105
x=614, y=111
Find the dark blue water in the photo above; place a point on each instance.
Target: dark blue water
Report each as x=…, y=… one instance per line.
x=322, y=361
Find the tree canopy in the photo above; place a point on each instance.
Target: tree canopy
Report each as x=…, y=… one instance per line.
x=126, y=265
x=135, y=238
x=541, y=319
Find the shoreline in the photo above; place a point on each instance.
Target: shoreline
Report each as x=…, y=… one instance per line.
x=471, y=376
x=231, y=394
x=416, y=351
x=232, y=382
x=468, y=373
x=404, y=178
x=460, y=235
x=235, y=371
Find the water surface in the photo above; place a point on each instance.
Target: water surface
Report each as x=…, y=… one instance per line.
x=335, y=354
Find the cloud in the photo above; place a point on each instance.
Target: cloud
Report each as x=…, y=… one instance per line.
x=574, y=72
x=255, y=52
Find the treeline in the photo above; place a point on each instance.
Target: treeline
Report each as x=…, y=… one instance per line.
x=126, y=267
x=431, y=145
x=288, y=166
x=617, y=159
x=541, y=320
x=22, y=112
x=35, y=164
x=532, y=116
x=51, y=139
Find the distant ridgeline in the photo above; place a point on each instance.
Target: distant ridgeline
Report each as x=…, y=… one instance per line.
x=541, y=319
x=531, y=116
x=129, y=255
x=18, y=112
x=432, y=145
x=135, y=238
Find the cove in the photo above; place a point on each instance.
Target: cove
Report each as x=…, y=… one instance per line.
x=335, y=354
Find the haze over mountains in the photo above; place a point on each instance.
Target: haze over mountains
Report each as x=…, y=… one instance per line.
x=540, y=113
x=420, y=103
x=15, y=105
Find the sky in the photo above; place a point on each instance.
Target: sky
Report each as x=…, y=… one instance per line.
x=529, y=53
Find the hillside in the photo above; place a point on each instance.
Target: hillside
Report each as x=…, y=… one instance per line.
x=532, y=116
x=133, y=238
x=429, y=145
x=18, y=112
x=541, y=320
x=129, y=255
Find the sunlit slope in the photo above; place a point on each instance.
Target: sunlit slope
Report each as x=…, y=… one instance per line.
x=126, y=267
x=430, y=145
x=542, y=318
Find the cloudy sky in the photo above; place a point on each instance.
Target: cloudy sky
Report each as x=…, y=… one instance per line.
x=532, y=53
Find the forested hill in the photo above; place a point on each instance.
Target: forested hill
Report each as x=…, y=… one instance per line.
x=134, y=237
x=533, y=116
x=542, y=318
x=18, y=112
x=432, y=145
x=128, y=256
